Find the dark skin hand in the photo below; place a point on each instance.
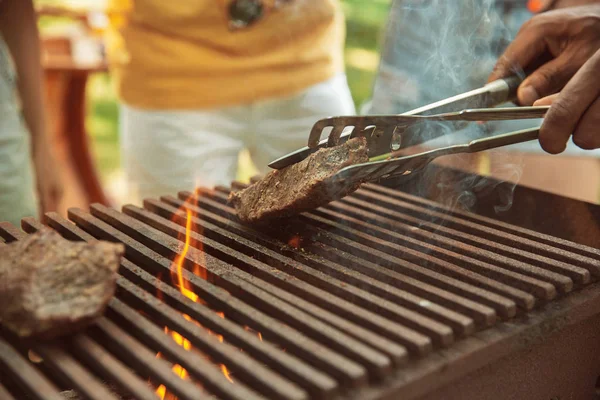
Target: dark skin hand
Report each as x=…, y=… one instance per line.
x=556, y=4
x=569, y=38
x=575, y=110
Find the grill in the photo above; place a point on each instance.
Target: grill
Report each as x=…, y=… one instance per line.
x=383, y=294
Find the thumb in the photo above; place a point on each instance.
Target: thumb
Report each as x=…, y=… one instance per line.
x=550, y=78
x=546, y=101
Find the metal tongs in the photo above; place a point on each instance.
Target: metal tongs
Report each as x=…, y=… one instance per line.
x=387, y=135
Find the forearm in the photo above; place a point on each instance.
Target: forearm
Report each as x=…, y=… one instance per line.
x=18, y=25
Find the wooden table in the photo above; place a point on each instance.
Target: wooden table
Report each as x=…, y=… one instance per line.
x=65, y=86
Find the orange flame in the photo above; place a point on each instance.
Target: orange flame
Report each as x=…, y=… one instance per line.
x=185, y=288
x=176, y=273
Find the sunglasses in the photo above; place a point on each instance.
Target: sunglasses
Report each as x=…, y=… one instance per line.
x=244, y=13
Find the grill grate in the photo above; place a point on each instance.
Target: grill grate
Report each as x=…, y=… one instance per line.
x=343, y=297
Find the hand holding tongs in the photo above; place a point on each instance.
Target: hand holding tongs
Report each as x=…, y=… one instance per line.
x=386, y=134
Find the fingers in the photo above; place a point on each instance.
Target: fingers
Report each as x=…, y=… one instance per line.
x=548, y=79
x=526, y=48
x=568, y=108
x=587, y=133
x=546, y=101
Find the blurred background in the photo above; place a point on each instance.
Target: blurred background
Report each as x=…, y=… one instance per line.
x=81, y=97
x=83, y=112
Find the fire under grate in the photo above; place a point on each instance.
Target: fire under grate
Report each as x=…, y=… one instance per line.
x=336, y=302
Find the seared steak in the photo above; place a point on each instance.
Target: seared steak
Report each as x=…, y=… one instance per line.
x=51, y=286
x=306, y=185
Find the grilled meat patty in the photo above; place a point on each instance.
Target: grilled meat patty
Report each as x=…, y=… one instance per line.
x=306, y=185
x=51, y=286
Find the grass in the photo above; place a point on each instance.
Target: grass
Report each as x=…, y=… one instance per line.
x=364, y=22
x=102, y=124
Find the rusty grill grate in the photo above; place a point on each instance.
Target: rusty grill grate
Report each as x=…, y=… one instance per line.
x=334, y=302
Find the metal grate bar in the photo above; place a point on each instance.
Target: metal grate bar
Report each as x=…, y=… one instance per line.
x=297, y=270
x=10, y=233
x=337, y=255
x=107, y=366
x=66, y=369
x=242, y=312
x=345, y=279
x=349, y=309
x=368, y=249
x=29, y=379
x=482, y=314
x=205, y=371
x=238, y=362
x=479, y=248
x=348, y=227
x=101, y=361
x=4, y=394
x=450, y=317
x=261, y=378
x=375, y=361
x=145, y=361
x=71, y=373
x=228, y=276
x=209, y=319
x=195, y=365
x=346, y=219
x=499, y=231
x=396, y=352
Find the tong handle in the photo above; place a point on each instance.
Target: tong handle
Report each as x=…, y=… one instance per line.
x=513, y=82
x=506, y=139
x=500, y=114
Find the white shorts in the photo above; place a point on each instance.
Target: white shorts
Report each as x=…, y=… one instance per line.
x=168, y=151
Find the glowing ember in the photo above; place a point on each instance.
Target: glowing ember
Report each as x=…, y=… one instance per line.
x=226, y=373
x=34, y=357
x=295, y=242
x=258, y=334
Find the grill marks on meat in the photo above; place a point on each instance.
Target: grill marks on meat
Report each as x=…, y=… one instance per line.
x=304, y=186
x=51, y=286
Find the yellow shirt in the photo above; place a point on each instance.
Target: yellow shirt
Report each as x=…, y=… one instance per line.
x=180, y=54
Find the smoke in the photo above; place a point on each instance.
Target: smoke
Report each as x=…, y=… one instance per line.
x=434, y=49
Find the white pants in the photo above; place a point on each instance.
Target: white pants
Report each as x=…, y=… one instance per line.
x=168, y=151
x=17, y=188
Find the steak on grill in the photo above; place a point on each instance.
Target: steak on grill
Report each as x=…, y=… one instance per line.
x=300, y=187
x=51, y=286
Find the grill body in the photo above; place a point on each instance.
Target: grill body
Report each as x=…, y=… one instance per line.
x=385, y=294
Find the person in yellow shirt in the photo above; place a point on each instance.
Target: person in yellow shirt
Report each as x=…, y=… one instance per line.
x=200, y=80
